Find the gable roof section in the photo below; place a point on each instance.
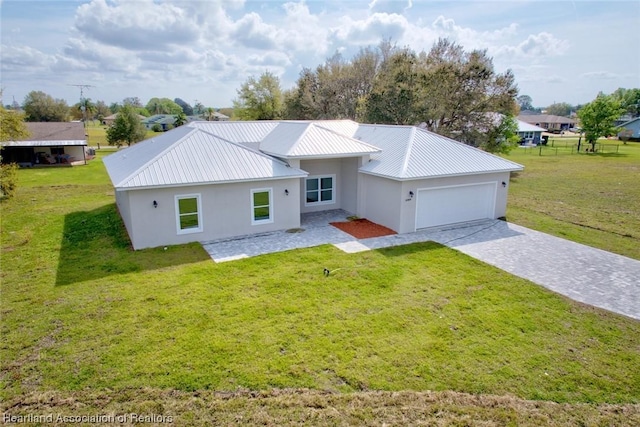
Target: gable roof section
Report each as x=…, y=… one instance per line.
x=527, y=127
x=247, y=133
x=191, y=156
x=412, y=153
x=312, y=140
x=45, y=134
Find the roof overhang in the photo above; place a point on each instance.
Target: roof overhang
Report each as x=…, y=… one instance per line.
x=196, y=184
x=397, y=178
x=62, y=143
x=321, y=156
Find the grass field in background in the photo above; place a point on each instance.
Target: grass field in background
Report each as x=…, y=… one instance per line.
x=590, y=198
x=89, y=325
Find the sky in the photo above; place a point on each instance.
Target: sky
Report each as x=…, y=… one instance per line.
x=202, y=51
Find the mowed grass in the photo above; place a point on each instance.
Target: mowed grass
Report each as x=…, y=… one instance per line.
x=89, y=325
x=592, y=199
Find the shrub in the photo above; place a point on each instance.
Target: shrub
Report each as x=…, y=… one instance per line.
x=8, y=180
x=156, y=128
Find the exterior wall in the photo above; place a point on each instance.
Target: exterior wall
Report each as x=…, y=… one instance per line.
x=225, y=211
x=408, y=211
x=382, y=201
x=75, y=151
x=345, y=186
x=122, y=202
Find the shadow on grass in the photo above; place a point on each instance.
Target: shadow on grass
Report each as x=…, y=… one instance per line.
x=410, y=248
x=95, y=244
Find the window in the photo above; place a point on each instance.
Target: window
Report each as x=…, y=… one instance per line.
x=261, y=212
x=188, y=218
x=320, y=190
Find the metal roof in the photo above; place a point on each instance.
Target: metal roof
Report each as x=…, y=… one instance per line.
x=190, y=156
x=239, y=132
x=412, y=153
x=527, y=127
x=53, y=143
x=310, y=140
x=218, y=152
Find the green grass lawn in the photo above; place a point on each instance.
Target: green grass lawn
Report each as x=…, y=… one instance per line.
x=90, y=326
x=589, y=198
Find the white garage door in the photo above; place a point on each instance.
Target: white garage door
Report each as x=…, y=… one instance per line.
x=449, y=205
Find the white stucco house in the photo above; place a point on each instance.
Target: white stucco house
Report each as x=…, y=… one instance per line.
x=212, y=180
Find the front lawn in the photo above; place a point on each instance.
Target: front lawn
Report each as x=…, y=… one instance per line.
x=90, y=326
x=592, y=199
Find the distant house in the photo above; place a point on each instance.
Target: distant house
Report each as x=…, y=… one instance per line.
x=633, y=126
x=551, y=123
x=529, y=133
x=48, y=143
x=165, y=121
x=222, y=179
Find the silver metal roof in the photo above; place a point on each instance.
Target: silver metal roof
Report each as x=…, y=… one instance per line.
x=527, y=127
x=217, y=152
x=54, y=143
x=310, y=140
x=190, y=156
x=413, y=153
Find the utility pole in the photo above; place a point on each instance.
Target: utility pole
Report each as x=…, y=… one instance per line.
x=83, y=106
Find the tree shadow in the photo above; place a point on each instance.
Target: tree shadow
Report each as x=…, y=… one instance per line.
x=95, y=244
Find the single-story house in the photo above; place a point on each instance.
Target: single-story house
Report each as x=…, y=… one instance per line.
x=551, y=123
x=528, y=133
x=165, y=121
x=211, y=180
x=633, y=126
x=48, y=143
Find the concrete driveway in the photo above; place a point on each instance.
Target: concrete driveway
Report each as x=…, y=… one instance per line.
x=580, y=272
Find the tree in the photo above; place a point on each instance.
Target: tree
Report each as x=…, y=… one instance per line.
x=181, y=119
x=629, y=100
x=126, y=128
x=259, y=99
x=40, y=107
x=524, y=101
x=560, y=109
x=186, y=108
x=102, y=110
x=12, y=128
x=198, y=108
x=163, y=106
x=598, y=117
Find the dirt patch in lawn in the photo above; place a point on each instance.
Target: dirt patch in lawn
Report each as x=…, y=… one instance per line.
x=363, y=228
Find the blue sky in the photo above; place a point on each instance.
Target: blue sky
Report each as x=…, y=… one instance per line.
x=559, y=51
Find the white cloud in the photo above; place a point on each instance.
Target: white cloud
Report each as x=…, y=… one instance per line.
x=23, y=58
x=141, y=24
x=536, y=46
x=372, y=30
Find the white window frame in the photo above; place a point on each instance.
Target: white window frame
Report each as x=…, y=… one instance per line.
x=178, y=215
x=321, y=202
x=253, y=206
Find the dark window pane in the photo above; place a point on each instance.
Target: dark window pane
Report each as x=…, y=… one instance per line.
x=188, y=221
x=327, y=195
x=188, y=205
x=312, y=184
x=312, y=196
x=327, y=183
x=261, y=213
x=261, y=199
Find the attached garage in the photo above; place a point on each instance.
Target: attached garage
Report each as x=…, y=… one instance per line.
x=454, y=204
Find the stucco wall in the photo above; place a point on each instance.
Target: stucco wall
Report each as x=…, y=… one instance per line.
x=225, y=209
x=381, y=201
x=122, y=203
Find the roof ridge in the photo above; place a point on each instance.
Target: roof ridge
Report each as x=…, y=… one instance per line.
x=407, y=152
x=347, y=136
x=244, y=147
x=146, y=165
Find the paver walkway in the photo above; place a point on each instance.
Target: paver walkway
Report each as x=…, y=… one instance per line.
x=580, y=272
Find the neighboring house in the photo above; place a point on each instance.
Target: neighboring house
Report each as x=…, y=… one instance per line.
x=165, y=121
x=551, y=123
x=528, y=133
x=48, y=143
x=212, y=180
x=633, y=126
